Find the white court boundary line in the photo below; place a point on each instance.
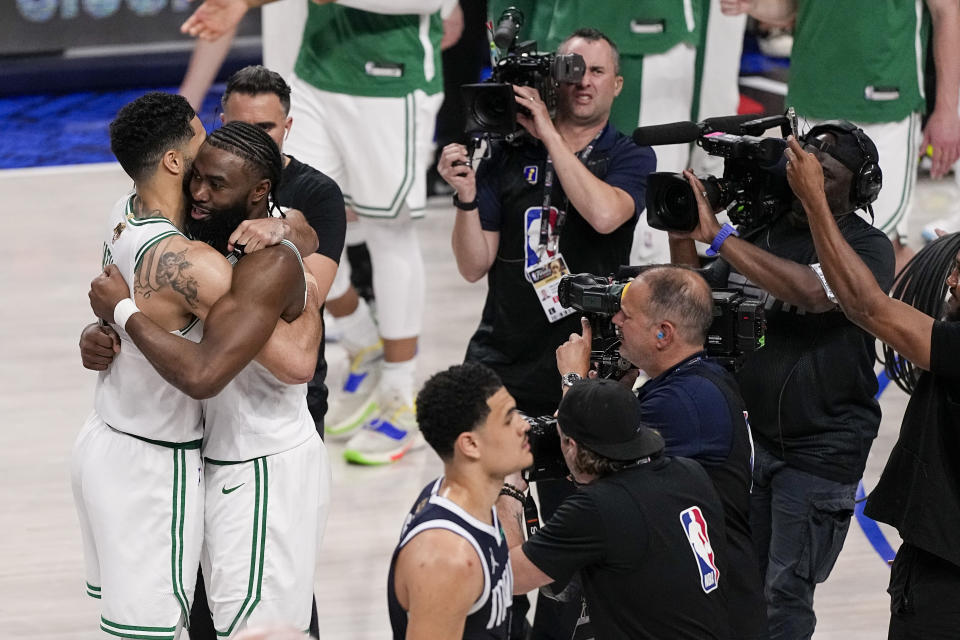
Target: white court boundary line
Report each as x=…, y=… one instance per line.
x=93, y=167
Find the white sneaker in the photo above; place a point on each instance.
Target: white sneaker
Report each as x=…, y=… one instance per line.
x=385, y=438
x=950, y=225
x=775, y=43
x=356, y=401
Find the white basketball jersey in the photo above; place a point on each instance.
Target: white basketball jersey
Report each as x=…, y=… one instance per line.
x=256, y=415
x=130, y=395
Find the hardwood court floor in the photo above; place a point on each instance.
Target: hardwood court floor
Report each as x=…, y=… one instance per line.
x=53, y=220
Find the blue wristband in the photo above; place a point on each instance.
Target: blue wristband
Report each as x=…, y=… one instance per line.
x=725, y=232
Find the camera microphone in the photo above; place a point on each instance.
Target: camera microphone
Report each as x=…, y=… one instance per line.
x=672, y=133
x=507, y=28
x=683, y=132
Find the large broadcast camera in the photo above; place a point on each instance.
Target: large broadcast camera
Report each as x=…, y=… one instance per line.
x=753, y=189
x=491, y=106
x=738, y=328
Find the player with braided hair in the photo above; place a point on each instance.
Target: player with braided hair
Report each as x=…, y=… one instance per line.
x=137, y=467
x=266, y=478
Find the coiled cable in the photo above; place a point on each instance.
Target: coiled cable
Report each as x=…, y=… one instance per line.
x=922, y=285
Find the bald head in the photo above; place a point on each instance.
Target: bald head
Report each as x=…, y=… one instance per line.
x=677, y=295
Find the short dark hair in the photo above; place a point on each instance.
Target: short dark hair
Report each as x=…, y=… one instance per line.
x=593, y=35
x=147, y=128
x=256, y=79
x=680, y=295
x=453, y=402
x=254, y=146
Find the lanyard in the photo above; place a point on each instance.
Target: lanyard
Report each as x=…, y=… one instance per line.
x=550, y=241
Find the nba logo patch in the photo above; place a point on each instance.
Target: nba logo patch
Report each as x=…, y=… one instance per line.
x=695, y=526
x=530, y=173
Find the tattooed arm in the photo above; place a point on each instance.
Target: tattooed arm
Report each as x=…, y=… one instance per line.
x=237, y=324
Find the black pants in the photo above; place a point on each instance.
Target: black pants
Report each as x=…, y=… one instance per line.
x=924, y=596
x=201, y=622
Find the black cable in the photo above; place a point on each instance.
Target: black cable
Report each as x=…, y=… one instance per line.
x=922, y=285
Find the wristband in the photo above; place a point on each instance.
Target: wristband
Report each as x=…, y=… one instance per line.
x=509, y=490
x=465, y=206
x=122, y=312
x=725, y=232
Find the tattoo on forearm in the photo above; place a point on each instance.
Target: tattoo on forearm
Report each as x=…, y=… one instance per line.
x=160, y=268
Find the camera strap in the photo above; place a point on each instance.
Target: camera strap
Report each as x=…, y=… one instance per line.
x=550, y=241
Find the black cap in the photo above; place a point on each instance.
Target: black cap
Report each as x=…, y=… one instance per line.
x=604, y=416
x=852, y=147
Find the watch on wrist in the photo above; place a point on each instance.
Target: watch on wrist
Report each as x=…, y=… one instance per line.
x=569, y=378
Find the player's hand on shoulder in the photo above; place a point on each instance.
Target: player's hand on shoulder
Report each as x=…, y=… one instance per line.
x=253, y=235
x=106, y=290
x=98, y=345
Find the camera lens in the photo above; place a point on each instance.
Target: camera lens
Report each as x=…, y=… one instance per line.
x=492, y=109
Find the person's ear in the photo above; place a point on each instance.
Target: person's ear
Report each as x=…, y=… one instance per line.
x=287, y=126
x=468, y=445
x=261, y=190
x=665, y=334
x=172, y=161
x=617, y=86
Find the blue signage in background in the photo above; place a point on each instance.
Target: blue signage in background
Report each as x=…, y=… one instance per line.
x=48, y=26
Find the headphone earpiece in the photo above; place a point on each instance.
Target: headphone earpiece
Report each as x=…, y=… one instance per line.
x=868, y=179
x=660, y=335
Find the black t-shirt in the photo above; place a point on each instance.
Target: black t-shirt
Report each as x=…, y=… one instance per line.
x=919, y=490
x=697, y=408
x=649, y=544
x=318, y=197
x=515, y=338
x=811, y=390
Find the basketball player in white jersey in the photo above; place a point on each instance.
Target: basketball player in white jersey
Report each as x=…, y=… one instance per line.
x=267, y=480
x=136, y=466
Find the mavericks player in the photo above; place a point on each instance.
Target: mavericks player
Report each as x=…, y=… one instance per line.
x=450, y=575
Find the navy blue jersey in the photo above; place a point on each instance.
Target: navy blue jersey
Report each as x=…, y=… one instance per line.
x=489, y=617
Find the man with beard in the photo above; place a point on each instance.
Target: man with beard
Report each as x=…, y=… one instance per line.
x=918, y=492
x=140, y=446
x=810, y=392
x=259, y=438
x=261, y=97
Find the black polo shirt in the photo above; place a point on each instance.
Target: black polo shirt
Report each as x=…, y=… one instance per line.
x=515, y=338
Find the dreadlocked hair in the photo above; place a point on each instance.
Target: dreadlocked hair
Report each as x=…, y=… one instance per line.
x=255, y=147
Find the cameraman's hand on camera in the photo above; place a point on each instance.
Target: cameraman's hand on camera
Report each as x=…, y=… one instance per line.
x=538, y=123
x=805, y=176
x=709, y=226
x=453, y=168
x=573, y=356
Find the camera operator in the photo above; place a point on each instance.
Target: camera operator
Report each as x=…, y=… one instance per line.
x=582, y=182
x=918, y=491
x=693, y=402
x=598, y=182
x=630, y=528
x=810, y=391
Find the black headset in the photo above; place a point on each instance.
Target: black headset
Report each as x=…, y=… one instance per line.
x=868, y=179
